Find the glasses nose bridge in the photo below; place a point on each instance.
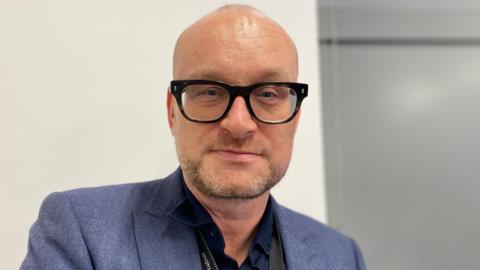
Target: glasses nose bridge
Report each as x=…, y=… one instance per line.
x=240, y=91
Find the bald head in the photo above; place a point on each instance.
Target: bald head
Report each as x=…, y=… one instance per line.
x=235, y=35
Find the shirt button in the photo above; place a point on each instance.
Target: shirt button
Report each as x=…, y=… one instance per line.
x=212, y=233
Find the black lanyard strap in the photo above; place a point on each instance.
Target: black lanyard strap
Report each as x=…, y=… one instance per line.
x=275, y=260
x=208, y=261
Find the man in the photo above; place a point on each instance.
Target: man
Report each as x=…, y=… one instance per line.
x=233, y=109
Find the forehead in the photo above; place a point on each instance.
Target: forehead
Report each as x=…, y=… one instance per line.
x=259, y=74
x=242, y=51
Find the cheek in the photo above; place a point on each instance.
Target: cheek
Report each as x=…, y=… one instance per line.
x=281, y=143
x=190, y=136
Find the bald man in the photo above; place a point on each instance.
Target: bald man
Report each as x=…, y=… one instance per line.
x=233, y=109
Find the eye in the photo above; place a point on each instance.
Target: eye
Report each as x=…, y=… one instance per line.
x=205, y=91
x=267, y=92
x=210, y=92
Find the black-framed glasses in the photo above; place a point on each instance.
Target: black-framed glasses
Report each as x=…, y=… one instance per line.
x=205, y=101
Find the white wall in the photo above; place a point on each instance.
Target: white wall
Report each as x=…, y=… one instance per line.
x=82, y=94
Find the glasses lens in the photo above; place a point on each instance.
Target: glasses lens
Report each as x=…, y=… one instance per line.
x=273, y=103
x=204, y=102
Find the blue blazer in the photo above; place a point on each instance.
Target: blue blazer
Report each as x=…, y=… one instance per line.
x=127, y=227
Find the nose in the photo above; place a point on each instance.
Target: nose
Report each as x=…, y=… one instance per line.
x=238, y=121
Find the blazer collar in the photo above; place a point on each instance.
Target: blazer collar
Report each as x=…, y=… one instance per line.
x=161, y=242
x=298, y=248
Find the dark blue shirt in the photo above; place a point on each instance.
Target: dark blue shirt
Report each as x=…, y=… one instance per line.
x=189, y=211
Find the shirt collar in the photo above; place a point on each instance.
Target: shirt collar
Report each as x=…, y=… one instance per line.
x=264, y=234
x=190, y=212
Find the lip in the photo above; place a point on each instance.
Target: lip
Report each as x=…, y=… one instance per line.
x=236, y=155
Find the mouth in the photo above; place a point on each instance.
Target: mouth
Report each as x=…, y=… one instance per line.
x=236, y=155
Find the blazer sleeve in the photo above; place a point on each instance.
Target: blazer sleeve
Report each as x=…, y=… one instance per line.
x=56, y=240
x=359, y=261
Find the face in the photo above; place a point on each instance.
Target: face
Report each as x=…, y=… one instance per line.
x=236, y=157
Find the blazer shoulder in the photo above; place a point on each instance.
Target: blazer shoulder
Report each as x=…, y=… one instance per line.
x=72, y=226
x=122, y=196
x=97, y=209
x=114, y=194
x=301, y=223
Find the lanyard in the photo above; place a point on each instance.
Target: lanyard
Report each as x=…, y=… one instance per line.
x=275, y=258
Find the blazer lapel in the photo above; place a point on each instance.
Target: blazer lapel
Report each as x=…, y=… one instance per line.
x=163, y=243
x=299, y=254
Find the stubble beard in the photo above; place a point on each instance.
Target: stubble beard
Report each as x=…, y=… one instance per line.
x=222, y=184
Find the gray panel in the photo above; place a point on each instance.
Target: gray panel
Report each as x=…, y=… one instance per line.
x=403, y=153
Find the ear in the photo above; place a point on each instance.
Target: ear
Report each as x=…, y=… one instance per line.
x=170, y=109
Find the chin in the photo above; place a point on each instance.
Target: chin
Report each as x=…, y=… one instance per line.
x=227, y=181
x=232, y=184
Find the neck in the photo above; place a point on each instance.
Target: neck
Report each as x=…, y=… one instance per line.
x=236, y=219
